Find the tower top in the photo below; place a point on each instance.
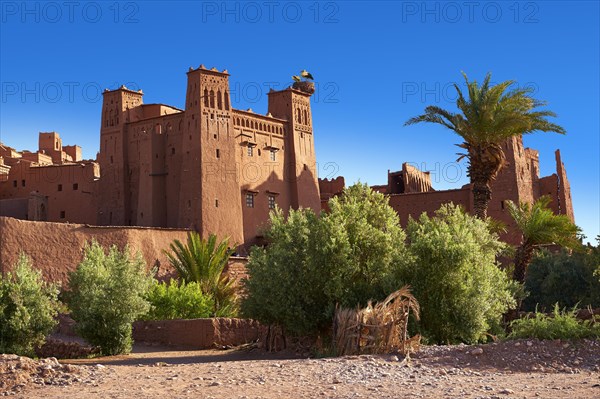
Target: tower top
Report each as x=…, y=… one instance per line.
x=123, y=88
x=213, y=70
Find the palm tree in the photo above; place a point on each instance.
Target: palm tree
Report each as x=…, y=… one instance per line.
x=539, y=226
x=203, y=262
x=490, y=116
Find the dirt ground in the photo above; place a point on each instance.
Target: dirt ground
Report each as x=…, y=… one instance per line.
x=512, y=369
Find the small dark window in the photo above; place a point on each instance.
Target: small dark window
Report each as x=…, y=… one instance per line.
x=60, y=187
x=111, y=159
x=216, y=203
x=173, y=151
x=14, y=183
x=189, y=203
x=218, y=153
x=62, y=214
x=75, y=186
x=215, y=135
x=250, y=200
x=502, y=204
x=23, y=183
x=271, y=202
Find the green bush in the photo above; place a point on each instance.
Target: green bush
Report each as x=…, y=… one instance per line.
x=28, y=307
x=454, y=276
x=203, y=261
x=563, y=278
x=177, y=301
x=347, y=256
x=107, y=295
x=560, y=325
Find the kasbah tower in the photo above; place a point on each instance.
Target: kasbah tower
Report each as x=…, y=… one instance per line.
x=210, y=168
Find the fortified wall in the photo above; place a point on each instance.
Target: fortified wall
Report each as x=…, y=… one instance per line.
x=57, y=248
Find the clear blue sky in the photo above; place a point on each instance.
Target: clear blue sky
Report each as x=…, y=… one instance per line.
x=376, y=64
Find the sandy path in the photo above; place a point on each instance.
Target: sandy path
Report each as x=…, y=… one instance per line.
x=533, y=369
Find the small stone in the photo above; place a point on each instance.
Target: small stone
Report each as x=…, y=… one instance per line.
x=215, y=384
x=506, y=391
x=477, y=351
x=529, y=343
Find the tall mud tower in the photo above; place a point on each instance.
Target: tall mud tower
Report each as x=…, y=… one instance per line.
x=114, y=185
x=301, y=166
x=210, y=199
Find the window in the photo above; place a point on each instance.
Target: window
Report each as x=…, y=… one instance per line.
x=75, y=186
x=14, y=183
x=173, y=151
x=272, y=155
x=250, y=151
x=62, y=214
x=23, y=183
x=216, y=203
x=60, y=187
x=501, y=204
x=271, y=202
x=250, y=200
x=218, y=153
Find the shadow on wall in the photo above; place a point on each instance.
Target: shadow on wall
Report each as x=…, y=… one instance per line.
x=258, y=201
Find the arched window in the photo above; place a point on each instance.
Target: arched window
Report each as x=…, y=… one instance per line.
x=247, y=123
x=206, y=97
x=110, y=116
x=305, y=117
x=227, y=100
x=219, y=100
x=212, y=99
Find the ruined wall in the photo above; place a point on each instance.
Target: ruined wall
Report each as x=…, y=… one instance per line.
x=564, y=189
x=415, y=181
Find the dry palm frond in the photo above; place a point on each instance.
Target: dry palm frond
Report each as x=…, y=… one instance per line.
x=381, y=328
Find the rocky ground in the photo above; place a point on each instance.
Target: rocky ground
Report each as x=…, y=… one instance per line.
x=512, y=369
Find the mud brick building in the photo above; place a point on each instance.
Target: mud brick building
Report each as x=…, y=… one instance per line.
x=411, y=193
x=209, y=167
x=216, y=169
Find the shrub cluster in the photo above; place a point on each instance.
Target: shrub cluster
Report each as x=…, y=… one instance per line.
x=345, y=257
x=453, y=272
x=175, y=300
x=107, y=296
x=28, y=307
x=563, y=278
x=359, y=252
x=559, y=325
